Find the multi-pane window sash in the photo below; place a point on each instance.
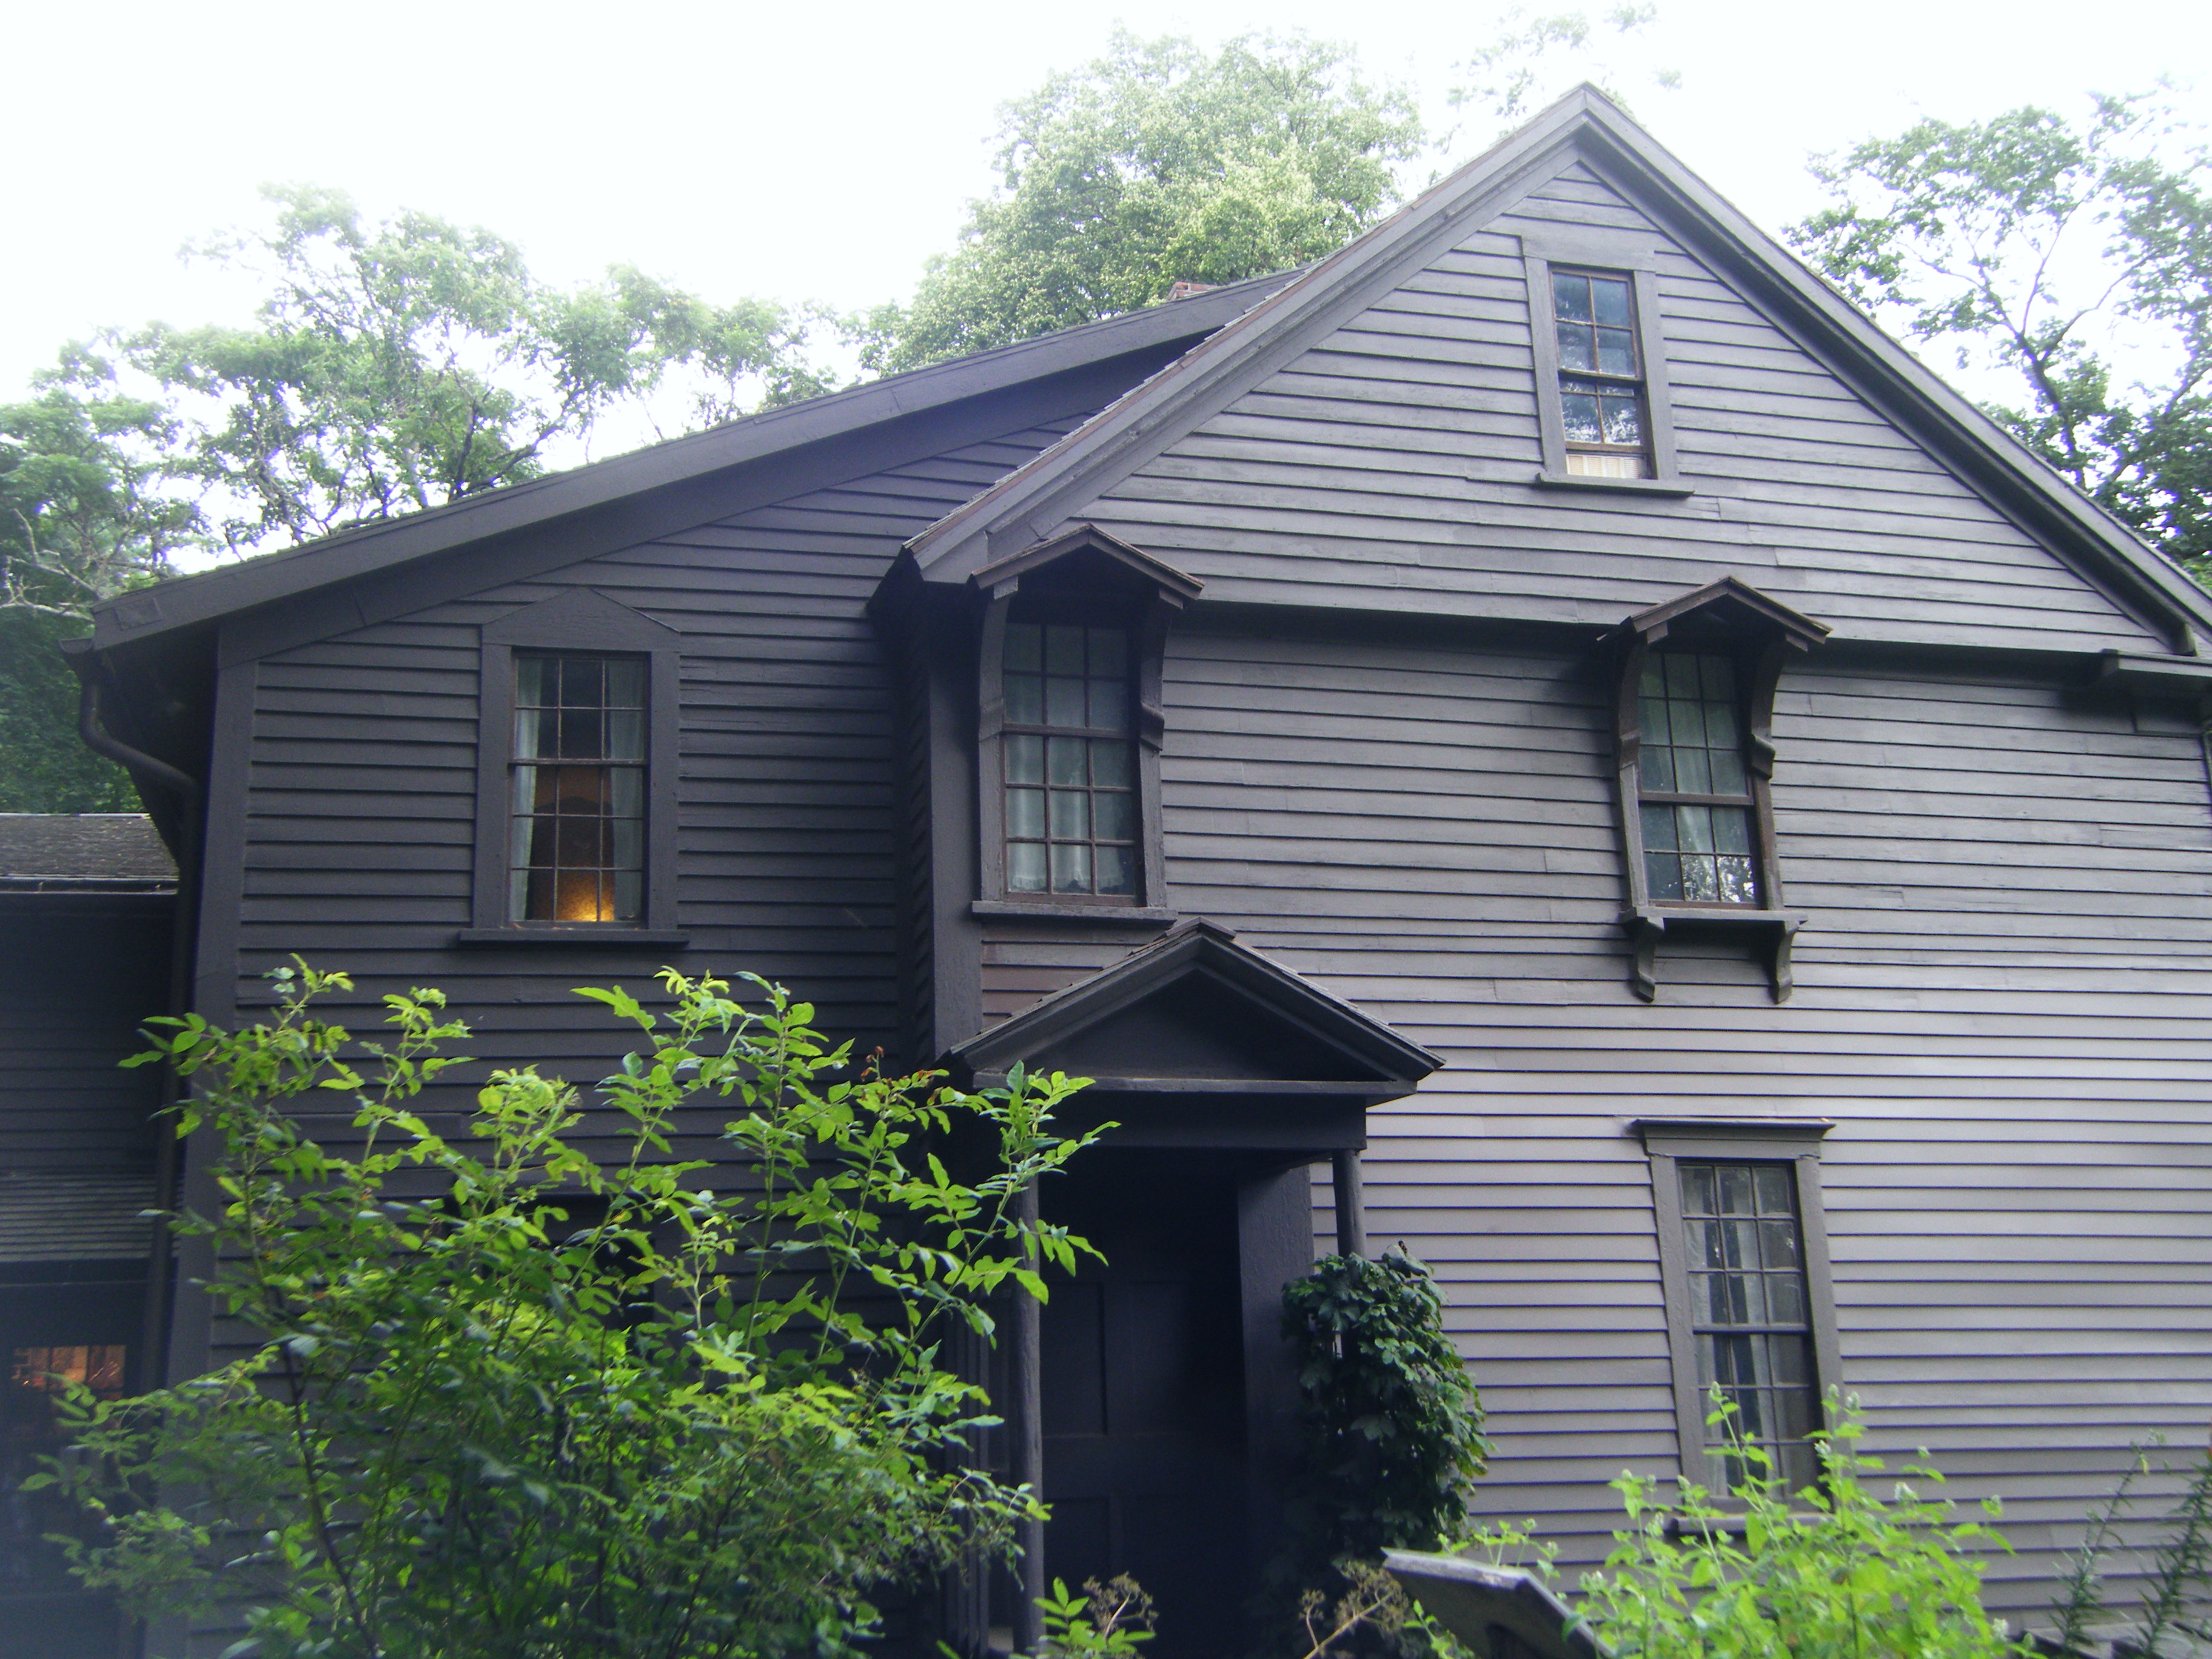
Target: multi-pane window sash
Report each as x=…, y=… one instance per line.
x=578, y=843
x=1070, y=765
x=1600, y=380
x=1750, y=1312
x=1695, y=798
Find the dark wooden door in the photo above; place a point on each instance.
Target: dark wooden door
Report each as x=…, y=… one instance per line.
x=1144, y=1396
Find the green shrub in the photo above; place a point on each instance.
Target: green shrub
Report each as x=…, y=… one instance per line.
x=508, y=1400
x=1834, y=1571
x=2173, y=1599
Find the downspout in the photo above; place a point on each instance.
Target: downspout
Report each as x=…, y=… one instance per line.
x=1351, y=1206
x=160, y=1292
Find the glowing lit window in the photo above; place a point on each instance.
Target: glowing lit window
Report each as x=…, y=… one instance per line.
x=578, y=840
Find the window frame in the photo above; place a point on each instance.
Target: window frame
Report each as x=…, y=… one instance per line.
x=580, y=622
x=1726, y=617
x=1797, y=1144
x=1598, y=255
x=1085, y=577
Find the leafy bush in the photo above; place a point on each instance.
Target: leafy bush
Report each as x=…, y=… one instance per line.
x=1834, y=1571
x=1391, y=1442
x=2174, y=1603
x=507, y=1399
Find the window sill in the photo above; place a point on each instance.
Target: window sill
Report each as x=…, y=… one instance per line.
x=1672, y=488
x=604, y=938
x=1047, y=911
x=1775, y=932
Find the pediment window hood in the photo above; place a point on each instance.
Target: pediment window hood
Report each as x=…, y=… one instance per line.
x=1199, y=1041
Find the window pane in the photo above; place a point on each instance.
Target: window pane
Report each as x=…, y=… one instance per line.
x=1116, y=814
x=1025, y=759
x=1063, y=651
x=1071, y=815
x=530, y=681
x=1695, y=825
x=1681, y=674
x=1025, y=867
x=1659, y=828
x=1110, y=706
x=580, y=682
x=1111, y=764
x=1770, y=1190
x=1616, y=352
x=1662, y=874
x=1651, y=682
x=1733, y=882
x=1685, y=720
x=1655, y=768
x=1579, y=410
x=628, y=844
x=1609, y=300
x=1576, y=349
x=1726, y=772
x=1696, y=1188
x=1117, y=871
x=1024, y=646
x=1071, y=869
x=1025, y=699
x=625, y=683
x=629, y=791
x=630, y=896
x=1731, y=828
x=1624, y=421
x=1570, y=297
x=626, y=734
x=1063, y=699
x=1065, y=760
x=1025, y=813
x=529, y=733
x=1109, y=651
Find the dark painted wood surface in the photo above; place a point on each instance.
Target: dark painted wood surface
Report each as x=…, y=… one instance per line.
x=1390, y=467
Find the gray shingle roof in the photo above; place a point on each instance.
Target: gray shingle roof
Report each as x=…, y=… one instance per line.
x=65, y=852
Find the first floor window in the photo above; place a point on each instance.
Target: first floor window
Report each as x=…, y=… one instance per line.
x=578, y=825
x=1069, y=761
x=1751, y=1312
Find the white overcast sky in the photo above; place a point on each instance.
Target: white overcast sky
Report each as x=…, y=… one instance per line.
x=823, y=150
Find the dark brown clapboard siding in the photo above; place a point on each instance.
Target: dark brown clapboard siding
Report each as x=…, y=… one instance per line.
x=361, y=801
x=2001, y=1001
x=1388, y=466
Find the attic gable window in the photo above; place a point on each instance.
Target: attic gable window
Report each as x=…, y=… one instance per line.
x=1605, y=421
x=1601, y=374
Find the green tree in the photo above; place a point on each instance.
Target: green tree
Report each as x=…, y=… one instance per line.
x=505, y=1398
x=2075, y=257
x=90, y=505
x=1155, y=164
x=1534, y=59
x=411, y=363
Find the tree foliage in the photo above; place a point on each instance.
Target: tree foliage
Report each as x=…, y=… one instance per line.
x=404, y=365
x=2076, y=257
x=506, y=1397
x=1534, y=59
x=1154, y=164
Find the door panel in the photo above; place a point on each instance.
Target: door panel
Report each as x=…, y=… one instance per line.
x=1144, y=1396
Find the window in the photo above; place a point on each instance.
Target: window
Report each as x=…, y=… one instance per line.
x=1744, y=1254
x=578, y=800
x=576, y=762
x=1601, y=374
x=1068, y=730
x=1747, y=1310
x=1695, y=765
x=1606, y=420
x=1695, y=791
x=1071, y=802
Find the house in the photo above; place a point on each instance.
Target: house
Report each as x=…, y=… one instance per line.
x=1543, y=737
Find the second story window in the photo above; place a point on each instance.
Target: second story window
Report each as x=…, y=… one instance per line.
x=1602, y=392
x=1693, y=788
x=577, y=843
x=1070, y=763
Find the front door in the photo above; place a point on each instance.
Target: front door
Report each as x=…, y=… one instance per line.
x=1144, y=1397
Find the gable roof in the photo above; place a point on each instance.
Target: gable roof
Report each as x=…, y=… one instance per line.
x=1035, y=501
x=145, y=613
